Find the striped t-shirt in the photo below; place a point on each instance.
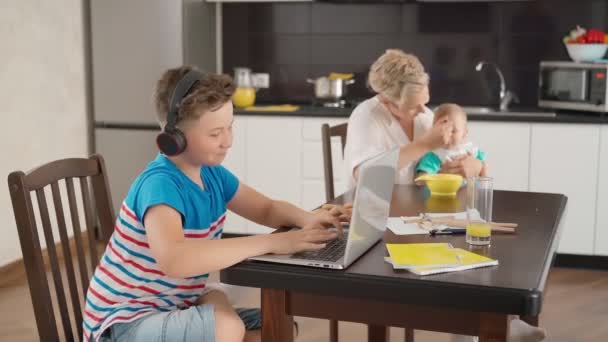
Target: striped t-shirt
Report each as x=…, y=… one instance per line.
x=127, y=283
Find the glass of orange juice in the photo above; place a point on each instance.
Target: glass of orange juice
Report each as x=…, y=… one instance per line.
x=243, y=97
x=479, y=210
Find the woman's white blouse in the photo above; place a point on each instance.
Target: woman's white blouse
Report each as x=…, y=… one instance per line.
x=372, y=129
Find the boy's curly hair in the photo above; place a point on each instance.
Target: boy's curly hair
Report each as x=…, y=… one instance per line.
x=209, y=94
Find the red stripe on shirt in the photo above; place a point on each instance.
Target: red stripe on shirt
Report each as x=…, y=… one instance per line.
x=128, y=238
x=119, y=281
x=128, y=212
x=100, y=296
x=126, y=318
x=123, y=259
x=93, y=317
x=205, y=234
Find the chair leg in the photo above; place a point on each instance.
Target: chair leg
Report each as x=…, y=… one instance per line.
x=409, y=335
x=333, y=331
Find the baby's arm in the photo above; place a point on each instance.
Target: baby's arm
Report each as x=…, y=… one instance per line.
x=484, y=169
x=429, y=163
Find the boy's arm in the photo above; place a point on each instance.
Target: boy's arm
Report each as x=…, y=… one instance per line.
x=258, y=208
x=181, y=258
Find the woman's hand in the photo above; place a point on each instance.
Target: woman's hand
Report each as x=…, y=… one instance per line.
x=300, y=240
x=466, y=166
x=439, y=136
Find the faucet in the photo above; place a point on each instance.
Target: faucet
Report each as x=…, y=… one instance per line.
x=505, y=96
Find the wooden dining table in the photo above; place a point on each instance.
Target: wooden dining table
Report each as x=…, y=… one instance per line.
x=479, y=302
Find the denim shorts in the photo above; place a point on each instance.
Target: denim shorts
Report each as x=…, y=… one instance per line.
x=196, y=323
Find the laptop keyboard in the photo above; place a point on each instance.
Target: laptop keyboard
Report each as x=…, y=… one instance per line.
x=332, y=252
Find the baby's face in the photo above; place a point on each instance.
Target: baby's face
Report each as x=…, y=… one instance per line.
x=459, y=129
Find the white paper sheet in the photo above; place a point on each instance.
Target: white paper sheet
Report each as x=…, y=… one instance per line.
x=398, y=226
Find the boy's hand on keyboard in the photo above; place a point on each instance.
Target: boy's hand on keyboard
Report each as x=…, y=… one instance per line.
x=324, y=219
x=300, y=240
x=331, y=215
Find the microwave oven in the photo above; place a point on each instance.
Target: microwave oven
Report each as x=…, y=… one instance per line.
x=573, y=86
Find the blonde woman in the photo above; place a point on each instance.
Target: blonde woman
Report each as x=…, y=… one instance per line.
x=398, y=116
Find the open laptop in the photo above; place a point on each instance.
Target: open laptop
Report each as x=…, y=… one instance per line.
x=368, y=223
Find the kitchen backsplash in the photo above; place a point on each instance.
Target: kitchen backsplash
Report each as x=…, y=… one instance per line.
x=296, y=41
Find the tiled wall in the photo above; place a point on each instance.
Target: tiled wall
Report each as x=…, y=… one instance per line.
x=296, y=41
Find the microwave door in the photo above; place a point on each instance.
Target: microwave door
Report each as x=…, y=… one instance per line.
x=569, y=85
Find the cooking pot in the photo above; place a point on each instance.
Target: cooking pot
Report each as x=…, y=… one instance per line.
x=330, y=89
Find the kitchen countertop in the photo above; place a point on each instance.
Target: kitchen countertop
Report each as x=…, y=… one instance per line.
x=323, y=112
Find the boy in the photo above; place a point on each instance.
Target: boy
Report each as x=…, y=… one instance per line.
x=150, y=283
x=434, y=161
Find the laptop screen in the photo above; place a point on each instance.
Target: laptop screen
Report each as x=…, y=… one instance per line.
x=372, y=203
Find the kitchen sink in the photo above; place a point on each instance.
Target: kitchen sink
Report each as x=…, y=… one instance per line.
x=482, y=110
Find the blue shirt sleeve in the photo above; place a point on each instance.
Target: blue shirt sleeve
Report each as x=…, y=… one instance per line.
x=158, y=189
x=429, y=163
x=229, y=182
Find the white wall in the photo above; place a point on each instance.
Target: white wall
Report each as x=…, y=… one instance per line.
x=42, y=94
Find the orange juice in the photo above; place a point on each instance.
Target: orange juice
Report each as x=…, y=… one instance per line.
x=478, y=233
x=243, y=97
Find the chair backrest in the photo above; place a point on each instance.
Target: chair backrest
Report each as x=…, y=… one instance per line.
x=326, y=133
x=96, y=210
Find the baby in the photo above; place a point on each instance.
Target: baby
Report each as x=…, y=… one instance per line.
x=432, y=161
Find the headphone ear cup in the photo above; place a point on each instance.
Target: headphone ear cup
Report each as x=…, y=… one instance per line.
x=171, y=143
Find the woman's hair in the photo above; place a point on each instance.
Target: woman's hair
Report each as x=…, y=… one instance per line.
x=397, y=73
x=208, y=94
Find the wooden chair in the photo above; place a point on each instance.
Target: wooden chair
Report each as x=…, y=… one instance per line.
x=98, y=212
x=327, y=132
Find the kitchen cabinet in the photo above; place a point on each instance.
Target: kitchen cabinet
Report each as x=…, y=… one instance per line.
x=507, y=146
x=601, y=224
x=273, y=159
x=282, y=158
x=564, y=159
x=312, y=184
x=235, y=162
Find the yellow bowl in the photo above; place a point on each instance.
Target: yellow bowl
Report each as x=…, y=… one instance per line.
x=442, y=184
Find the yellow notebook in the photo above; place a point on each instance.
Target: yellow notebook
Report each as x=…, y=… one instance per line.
x=465, y=260
x=422, y=254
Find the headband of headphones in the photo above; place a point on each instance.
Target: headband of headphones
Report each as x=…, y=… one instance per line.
x=182, y=89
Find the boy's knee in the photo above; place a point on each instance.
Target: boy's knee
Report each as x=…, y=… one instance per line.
x=228, y=325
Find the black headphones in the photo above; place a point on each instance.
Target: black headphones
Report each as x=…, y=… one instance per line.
x=172, y=141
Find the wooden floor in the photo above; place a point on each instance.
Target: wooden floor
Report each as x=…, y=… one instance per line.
x=575, y=309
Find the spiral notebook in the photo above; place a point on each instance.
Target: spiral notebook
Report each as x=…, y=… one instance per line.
x=432, y=258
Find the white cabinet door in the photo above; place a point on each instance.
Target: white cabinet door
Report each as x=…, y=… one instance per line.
x=508, y=152
x=601, y=226
x=312, y=181
x=236, y=163
x=273, y=159
x=564, y=159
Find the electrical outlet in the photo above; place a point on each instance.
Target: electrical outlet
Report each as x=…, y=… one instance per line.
x=260, y=80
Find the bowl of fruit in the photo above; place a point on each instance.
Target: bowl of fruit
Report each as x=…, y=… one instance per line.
x=586, y=45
